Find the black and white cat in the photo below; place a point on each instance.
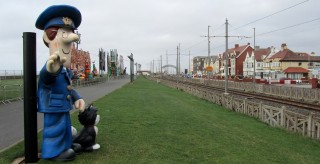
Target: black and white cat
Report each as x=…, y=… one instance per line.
x=87, y=136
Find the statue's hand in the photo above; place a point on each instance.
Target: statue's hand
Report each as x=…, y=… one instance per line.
x=54, y=62
x=80, y=104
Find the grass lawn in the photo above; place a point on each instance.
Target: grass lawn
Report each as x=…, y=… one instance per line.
x=12, y=88
x=146, y=122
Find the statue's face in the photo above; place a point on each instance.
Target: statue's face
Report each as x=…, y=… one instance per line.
x=63, y=44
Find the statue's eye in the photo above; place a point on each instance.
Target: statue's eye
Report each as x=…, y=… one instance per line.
x=64, y=34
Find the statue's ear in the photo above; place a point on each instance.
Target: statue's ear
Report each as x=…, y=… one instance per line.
x=45, y=38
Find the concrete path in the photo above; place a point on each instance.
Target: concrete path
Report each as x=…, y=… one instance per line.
x=11, y=115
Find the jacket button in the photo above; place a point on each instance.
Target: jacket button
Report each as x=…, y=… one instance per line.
x=68, y=97
x=69, y=87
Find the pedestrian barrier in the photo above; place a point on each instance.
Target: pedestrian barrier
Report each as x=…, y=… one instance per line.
x=14, y=92
x=10, y=93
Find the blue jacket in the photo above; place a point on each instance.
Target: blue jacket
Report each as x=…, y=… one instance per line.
x=55, y=92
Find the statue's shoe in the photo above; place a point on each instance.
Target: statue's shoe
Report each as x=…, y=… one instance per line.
x=77, y=148
x=67, y=155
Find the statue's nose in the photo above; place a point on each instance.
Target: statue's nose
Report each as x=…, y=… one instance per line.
x=72, y=37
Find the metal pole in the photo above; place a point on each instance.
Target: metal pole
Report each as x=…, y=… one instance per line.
x=226, y=61
x=189, y=63
x=161, y=65
x=208, y=47
x=179, y=60
x=30, y=97
x=167, y=68
x=131, y=67
x=254, y=59
x=177, y=71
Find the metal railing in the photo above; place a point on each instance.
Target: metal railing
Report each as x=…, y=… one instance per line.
x=10, y=92
x=11, y=74
x=12, y=89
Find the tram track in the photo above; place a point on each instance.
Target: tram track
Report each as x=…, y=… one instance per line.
x=294, y=104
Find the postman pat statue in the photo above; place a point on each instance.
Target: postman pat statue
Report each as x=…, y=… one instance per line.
x=56, y=96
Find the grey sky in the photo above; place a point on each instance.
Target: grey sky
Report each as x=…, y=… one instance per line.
x=149, y=28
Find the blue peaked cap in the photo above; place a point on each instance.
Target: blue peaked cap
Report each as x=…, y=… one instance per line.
x=59, y=16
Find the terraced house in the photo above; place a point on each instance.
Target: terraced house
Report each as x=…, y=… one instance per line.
x=267, y=63
x=236, y=57
x=289, y=64
x=256, y=58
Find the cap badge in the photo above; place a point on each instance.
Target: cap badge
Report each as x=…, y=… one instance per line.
x=67, y=21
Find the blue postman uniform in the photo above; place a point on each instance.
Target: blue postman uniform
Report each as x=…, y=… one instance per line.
x=55, y=99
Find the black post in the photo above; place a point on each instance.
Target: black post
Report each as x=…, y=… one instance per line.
x=131, y=67
x=30, y=97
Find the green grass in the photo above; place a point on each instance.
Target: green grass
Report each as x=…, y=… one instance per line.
x=146, y=122
x=10, y=89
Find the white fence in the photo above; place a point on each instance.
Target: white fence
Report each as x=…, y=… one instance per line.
x=284, y=91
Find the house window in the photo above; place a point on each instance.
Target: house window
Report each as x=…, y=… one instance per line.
x=300, y=64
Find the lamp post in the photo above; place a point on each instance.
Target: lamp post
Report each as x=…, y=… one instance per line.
x=78, y=42
x=131, y=67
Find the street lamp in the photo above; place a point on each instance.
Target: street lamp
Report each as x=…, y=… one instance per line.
x=131, y=67
x=79, y=41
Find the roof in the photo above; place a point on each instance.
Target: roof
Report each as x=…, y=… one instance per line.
x=237, y=49
x=288, y=55
x=296, y=57
x=260, y=52
x=283, y=53
x=295, y=70
x=315, y=58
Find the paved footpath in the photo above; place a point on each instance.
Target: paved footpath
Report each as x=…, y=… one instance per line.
x=11, y=115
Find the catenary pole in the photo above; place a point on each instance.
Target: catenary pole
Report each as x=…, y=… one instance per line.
x=189, y=63
x=254, y=59
x=226, y=61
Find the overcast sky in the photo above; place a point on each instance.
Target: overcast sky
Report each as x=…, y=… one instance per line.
x=149, y=28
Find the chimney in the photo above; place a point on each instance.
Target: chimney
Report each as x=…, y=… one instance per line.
x=236, y=46
x=273, y=49
x=313, y=54
x=284, y=46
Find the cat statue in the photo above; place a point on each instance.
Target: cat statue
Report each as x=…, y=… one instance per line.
x=87, y=136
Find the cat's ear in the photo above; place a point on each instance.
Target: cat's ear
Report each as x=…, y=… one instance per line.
x=91, y=105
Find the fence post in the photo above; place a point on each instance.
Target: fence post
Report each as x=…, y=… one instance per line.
x=282, y=116
x=21, y=92
x=245, y=101
x=260, y=111
x=310, y=124
x=5, y=93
